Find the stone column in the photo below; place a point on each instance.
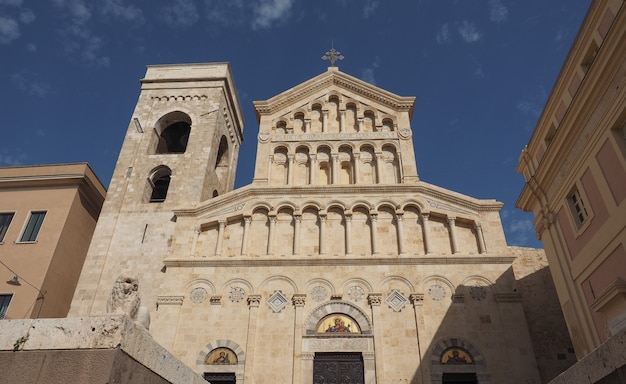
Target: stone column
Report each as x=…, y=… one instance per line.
x=313, y=169
x=253, y=305
x=379, y=159
x=270, y=236
x=194, y=242
x=426, y=230
x=418, y=303
x=322, y=216
x=481, y=238
x=374, y=300
x=452, y=226
x=269, y=169
x=291, y=159
x=357, y=160
x=342, y=120
x=307, y=125
x=246, y=234
x=361, y=123
x=400, y=232
x=298, y=301
x=296, y=234
x=325, y=121
x=374, y=231
x=220, y=237
x=348, y=218
x=334, y=166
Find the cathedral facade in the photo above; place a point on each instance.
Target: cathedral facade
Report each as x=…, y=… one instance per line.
x=336, y=264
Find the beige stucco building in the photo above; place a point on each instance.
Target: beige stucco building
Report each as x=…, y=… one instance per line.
x=575, y=171
x=47, y=217
x=336, y=261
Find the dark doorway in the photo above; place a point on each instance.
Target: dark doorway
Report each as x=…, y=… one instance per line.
x=459, y=378
x=220, y=378
x=338, y=367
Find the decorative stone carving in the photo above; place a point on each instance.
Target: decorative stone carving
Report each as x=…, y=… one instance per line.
x=198, y=295
x=216, y=300
x=374, y=299
x=264, y=137
x=124, y=298
x=404, y=133
x=356, y=293
x=254, y=300
x=298, y=300
x=277, y=301
x=236, y=294
x=478, y=292
x=436, y=292
x=319, y=293
x=169, y=300
x=417, y=299
x=396, y=300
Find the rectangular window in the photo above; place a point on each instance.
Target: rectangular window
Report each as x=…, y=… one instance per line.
x=32, y=227
x=578, y=207
x=4, y=305
x=5, y=221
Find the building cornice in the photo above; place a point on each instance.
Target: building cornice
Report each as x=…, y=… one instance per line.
x=360, y=261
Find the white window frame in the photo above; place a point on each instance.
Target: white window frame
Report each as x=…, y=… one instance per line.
x=5, y=309
x=579, y=208
x=3, y=235
x=27, y=223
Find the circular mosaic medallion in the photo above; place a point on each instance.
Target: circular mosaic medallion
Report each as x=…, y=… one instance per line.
x=356, y=293
x=236, y=294
x=437, y=292
x=478, y=292
x=319, y=293
x=198, y=295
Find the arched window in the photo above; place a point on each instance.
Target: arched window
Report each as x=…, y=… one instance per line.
x=173, y=133
x=160, y=183
x=222, y=153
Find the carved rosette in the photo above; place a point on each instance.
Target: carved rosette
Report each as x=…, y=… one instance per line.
x=198, y=295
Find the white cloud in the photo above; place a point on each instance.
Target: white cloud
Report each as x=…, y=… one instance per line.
x=270, y=11
x=11, y=160
x=367, y=74
x=27, y=16
x=529, y=108
x=11, y=3
x=468, y=32
x=497, y=11
x=9, y=30
x=77, y=10
x=181, y=13
x=521, y=230
x=443, y=36
x=30, y=47
x=116, y=9
x=29, y=86
x=369, y=8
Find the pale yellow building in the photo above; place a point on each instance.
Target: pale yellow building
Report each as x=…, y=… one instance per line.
x=47, y=217
x=575, y=171
x=336, y=262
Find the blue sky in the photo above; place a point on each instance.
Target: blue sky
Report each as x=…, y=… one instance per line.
x=481, y=71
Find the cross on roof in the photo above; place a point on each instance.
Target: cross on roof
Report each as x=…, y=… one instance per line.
x=332, y=55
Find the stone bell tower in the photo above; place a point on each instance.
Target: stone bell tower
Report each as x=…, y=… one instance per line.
x=181, y=148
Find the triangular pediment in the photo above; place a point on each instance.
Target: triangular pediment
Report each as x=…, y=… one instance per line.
x=337, y=82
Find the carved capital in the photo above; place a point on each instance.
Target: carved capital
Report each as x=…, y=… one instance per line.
x=374, y=299
x=254, y=300
x=216, y=300
x=417, y=299
x=298, y=299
